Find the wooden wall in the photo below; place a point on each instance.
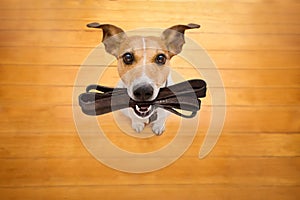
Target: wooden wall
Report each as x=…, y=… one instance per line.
x=256, y=47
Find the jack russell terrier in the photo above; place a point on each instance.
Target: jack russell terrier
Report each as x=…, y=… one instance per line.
x=143, y=66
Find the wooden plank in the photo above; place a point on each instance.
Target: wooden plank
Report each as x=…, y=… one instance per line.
x=208, y=26
x=150, y=192
x=41, y=118
x=223, y=59
x=45, y=145
x=88, y=171
x=238, y=6
x=169, y=13
x=87, y=38
x=66, y=76
x=57, y=96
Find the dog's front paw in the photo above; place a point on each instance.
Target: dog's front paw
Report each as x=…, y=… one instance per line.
x=158, y=128
x=138, y=127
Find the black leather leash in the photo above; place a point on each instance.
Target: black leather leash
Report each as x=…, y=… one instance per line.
x=184, y=96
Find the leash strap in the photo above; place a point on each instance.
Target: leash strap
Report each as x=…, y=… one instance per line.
x=184, y=96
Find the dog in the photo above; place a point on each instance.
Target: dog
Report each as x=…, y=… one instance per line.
x=144, y=68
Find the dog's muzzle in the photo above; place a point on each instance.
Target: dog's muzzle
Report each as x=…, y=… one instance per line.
x=143, y=93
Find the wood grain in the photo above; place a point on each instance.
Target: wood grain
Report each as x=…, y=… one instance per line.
x=153, y=191
x=45, y=145
x=255, y=47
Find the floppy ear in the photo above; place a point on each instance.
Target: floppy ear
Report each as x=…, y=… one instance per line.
x=113, y=36
x=174, y=37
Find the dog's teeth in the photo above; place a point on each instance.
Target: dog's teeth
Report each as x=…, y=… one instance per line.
x=137, y=107
x=144, y=109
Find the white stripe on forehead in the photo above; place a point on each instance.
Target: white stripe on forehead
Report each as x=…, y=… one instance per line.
x=144, y=52
x=144, y=77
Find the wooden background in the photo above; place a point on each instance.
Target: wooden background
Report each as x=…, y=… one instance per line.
x=256, y=47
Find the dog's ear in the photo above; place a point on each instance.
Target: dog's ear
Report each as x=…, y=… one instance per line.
x=174, y=37
x=113, y=36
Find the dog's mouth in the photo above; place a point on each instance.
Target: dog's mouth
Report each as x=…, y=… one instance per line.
x=143, y=110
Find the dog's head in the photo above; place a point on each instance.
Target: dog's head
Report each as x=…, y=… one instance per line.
x=143, y=62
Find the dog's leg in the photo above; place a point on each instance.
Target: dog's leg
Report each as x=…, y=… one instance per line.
x=137, y=123
x=159, y=125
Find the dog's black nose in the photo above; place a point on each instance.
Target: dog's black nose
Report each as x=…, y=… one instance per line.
x=143, y=93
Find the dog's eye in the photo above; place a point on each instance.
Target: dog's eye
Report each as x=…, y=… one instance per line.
x=160, y=59
x=128, y=58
